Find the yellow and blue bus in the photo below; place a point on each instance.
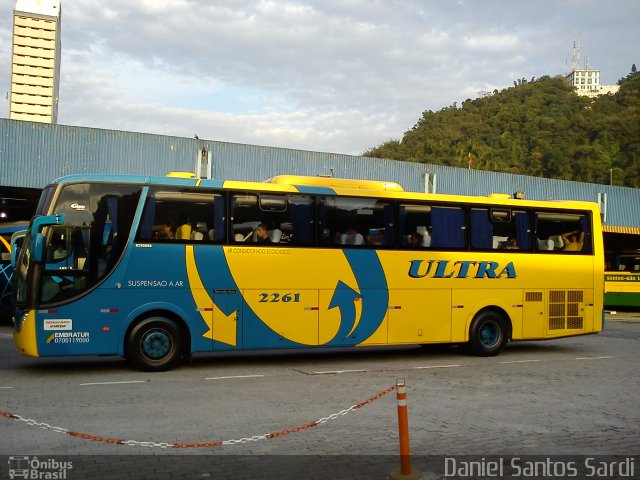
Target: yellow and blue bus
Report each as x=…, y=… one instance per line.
x=155, y=269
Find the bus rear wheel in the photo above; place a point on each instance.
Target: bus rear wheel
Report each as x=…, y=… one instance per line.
x=488, y=334
x=154, y=345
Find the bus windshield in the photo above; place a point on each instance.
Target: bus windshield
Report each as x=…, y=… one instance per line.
x=80, y=253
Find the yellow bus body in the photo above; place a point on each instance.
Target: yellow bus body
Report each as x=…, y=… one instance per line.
x=391, y=295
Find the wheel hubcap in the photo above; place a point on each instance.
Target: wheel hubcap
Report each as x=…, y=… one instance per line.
x=156, y=344
x=489, y=334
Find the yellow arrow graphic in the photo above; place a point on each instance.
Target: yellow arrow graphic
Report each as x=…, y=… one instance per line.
x=225, y=328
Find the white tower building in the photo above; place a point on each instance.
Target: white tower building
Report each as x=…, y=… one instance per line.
x=35, y=66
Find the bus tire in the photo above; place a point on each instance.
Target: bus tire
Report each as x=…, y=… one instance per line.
x=154, y=345
x=488, y=334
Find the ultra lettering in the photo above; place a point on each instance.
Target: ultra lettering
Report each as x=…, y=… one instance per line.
x=461, y=269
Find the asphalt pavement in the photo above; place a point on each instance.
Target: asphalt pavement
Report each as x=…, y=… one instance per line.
x=555, y=404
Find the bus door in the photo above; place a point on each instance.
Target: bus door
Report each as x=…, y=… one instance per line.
x=226, y=326
x=533, y=314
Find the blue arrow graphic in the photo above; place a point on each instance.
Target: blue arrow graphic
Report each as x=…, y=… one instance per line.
x=372, y=284
x=344, y=298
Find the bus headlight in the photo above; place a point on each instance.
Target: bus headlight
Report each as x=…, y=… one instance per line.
x=20, y=321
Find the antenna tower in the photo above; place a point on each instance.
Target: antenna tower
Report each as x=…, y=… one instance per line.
x=575, y=57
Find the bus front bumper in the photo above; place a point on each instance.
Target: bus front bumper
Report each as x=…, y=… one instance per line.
x=24, y=335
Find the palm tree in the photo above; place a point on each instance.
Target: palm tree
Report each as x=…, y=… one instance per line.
x=467, y=152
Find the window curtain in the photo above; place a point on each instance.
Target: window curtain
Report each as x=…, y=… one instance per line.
x=522, y=231
x=302, y=224
x=481, y=229
x=585, y=226
x=447, y=228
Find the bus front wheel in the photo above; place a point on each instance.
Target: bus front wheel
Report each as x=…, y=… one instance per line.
x=154, y=345
x=488, y=334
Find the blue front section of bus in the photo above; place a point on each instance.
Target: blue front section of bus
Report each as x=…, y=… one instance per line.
x=97, y=323
x=195, y=285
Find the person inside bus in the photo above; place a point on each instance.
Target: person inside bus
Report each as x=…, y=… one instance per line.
x=573, y=241
x=511, y=244
x=262, y=234
x=420, y=238
x=352, y=237
x=415, y=239
x=168, y=231
x=183, y=232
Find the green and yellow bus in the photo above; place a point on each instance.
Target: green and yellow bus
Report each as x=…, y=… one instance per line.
x=155, y=269
x=622, y=282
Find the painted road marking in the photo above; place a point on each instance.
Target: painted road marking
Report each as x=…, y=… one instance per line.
x=5, y=388
x=334, y=372
x=6, y=335
x=436, y=366
x=234, y=376
x=591, y=358
x=520, y=361
x=113, y=383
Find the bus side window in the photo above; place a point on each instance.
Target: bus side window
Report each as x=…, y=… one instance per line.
x=287, y=218
x=500, y=229
x=414, y=225
x=174, y=214
x=562, y=232
x=245, y=216
x=275, y=218
x=356, y=222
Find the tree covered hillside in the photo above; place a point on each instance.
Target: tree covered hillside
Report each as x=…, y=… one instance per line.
x=540, y=128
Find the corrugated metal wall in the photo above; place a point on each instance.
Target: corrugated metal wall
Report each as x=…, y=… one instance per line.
x=250, y=162
x=622, y=204
x=33, y=154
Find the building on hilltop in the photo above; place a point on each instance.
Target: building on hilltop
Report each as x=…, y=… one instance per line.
x=587, y=82
x=35, y=66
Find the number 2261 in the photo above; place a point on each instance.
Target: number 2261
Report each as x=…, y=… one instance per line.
x=277, y=297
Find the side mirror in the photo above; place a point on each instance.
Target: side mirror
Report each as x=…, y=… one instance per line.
x=39, y=222
x=37, y=238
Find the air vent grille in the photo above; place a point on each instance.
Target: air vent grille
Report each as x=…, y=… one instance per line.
x=533, y=297
x=564, y=310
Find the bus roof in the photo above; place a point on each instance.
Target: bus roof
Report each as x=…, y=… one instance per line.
x=326, y=186
x=333, y=182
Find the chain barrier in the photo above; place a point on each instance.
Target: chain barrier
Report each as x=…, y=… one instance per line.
x=220, y=443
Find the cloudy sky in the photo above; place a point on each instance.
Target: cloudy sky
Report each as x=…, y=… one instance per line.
x=328, y=75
